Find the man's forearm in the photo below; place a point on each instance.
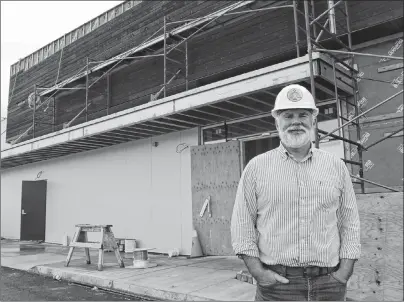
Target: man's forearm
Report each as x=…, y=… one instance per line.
x=347, y=265
x=254, y=265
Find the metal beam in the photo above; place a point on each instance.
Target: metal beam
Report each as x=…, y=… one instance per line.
x=197, y=118
x=68, y=148
x=352, y=162
x=181, y=121
x=107, y=137
x=135, y=130
x=375, y=183
x=358, y=54
x=341, y=138
x=239, y=120
x=130, y=137
x=167, y=129
x=243, y=106
x=363, y=113
x=222, y=117
x=168, y=124
x=132, y=134
x=269, y=93
x=324, y=13
x=98, y=139
x=257, y=100
x=227, y=110
x=88, y=143
x=382, y=139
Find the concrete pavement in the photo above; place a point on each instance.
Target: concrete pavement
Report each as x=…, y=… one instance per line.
x=178, y=278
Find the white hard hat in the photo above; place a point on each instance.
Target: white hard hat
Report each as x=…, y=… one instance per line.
x=294, y=96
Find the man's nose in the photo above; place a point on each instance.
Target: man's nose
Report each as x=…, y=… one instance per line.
x=296, y=121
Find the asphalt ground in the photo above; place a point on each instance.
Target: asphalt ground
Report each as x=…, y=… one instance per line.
x=19, y=285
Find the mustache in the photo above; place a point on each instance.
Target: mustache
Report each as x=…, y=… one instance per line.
x=291, y=128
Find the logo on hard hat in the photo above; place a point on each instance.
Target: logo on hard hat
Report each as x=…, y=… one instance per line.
x=294, y=95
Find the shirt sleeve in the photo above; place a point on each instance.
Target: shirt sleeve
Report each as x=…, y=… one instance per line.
x=243, y=221
x=348, y=220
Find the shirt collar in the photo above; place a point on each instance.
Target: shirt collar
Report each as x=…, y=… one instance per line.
x=285, y=154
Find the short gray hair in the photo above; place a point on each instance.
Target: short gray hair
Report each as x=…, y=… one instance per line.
x=279, y=112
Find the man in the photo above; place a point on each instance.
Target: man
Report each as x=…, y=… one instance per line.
x=295, y=221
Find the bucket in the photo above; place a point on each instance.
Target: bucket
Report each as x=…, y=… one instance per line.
x=130, y=245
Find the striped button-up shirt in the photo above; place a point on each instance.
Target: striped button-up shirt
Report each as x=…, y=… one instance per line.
x=296, y=213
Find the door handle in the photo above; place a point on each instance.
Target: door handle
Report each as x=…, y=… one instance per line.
x=23, y=212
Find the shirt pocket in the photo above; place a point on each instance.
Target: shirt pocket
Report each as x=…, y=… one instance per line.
x=326, y=193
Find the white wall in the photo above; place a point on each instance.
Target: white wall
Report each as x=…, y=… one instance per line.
x=142, y=190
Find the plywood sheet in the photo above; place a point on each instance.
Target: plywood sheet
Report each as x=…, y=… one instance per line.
x=215, y=171
x=378, y=274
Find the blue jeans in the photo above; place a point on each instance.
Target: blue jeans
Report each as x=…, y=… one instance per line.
x=299, y=288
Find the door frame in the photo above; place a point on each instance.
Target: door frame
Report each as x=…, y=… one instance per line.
x=45, y=207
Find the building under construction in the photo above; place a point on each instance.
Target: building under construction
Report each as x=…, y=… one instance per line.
x=146, y=113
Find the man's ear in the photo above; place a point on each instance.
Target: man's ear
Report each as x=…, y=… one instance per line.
x=314, y=120
x=276, y=124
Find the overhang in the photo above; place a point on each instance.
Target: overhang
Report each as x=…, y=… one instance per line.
x=246, y=95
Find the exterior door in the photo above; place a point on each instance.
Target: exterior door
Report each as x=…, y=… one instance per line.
x=33, y=210
x=215, y=173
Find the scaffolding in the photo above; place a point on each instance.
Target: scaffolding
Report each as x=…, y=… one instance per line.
x=313, y=23
x=174, y=34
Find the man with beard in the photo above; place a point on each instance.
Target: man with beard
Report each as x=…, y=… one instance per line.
x=295, y=221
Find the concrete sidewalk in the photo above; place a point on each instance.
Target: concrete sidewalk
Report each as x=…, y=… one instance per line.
x=179, y=278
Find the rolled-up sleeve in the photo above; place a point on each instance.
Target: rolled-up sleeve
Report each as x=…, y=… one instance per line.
x=348, y=220
x=243, y=221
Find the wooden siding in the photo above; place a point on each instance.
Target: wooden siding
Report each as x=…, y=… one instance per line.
x=249, y=42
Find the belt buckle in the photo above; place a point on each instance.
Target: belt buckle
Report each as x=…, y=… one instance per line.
x=311, y=271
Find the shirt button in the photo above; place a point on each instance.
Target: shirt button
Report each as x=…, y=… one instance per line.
x=302, y=200
x=302, y=183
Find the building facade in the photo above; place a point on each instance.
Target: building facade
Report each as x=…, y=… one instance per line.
x=143, y=142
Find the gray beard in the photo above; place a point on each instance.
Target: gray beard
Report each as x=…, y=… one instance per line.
x=294, y=141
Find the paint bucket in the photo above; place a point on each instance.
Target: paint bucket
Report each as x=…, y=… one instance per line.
x=141, y=258
x=130, y=245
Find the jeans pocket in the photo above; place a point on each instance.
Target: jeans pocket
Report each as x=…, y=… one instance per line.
x=266, y=285
x=343, y=282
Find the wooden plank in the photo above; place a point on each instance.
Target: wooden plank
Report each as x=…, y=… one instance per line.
x=90, y=245
x=390, y=67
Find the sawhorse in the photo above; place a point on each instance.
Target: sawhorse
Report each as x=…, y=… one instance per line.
x=106, y=240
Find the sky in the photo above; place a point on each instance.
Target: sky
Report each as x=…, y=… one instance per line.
x=26, y=26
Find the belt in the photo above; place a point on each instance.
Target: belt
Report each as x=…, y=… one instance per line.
x=307, y=271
